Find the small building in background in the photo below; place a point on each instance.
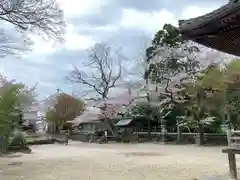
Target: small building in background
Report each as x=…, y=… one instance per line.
x=31, y=115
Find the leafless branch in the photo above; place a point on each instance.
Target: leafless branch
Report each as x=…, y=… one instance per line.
x=139, y=62
x=104, y=69
x=12, y=45
x=41, y=17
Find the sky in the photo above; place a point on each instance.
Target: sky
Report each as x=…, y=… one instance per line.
x=128, y=24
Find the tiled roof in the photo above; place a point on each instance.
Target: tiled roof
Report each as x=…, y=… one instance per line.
x=194, y=23
x=219, y=29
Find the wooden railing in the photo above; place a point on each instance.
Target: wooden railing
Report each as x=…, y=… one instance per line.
x=234, y=140
x=232, y=150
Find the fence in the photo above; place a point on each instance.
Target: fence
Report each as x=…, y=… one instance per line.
x=186, y=138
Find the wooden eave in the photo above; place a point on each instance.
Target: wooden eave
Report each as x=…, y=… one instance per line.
x=201, y=21
x=219, y=29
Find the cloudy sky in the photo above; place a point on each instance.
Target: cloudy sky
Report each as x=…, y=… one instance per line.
x=125, y=23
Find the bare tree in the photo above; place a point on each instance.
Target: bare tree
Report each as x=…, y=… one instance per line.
x=101, y=72
x=41, y=17
x=12, y=44
x=134, y=80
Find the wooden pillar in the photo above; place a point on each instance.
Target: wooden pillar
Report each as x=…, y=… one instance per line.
x=179, y=132
x=163, y=131
x=232, y=165
x=229, y=133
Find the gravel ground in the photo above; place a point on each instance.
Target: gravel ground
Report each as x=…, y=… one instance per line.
x=85, y=161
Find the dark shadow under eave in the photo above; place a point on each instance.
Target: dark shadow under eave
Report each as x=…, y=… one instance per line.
x=219, y=29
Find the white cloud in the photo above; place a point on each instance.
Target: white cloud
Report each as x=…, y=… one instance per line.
x=37, y=66
x=194, y=11
x=69, y=67
x=106, y=28
x=148, y=21
x=75, y=40
x=41, y=46
x=4, y=72
x=153, y=21
x=73, y=8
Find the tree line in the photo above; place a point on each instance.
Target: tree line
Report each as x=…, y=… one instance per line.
x=194, y=91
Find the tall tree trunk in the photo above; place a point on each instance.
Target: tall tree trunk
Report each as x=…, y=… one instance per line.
x=149, y=128
x=5, y=135
x=110, y=126
x=201, y=134
x=57, y=130
x=200, y=125
x=5, y=144
x=163, y=131
x=179, y=132
x=149, y=112
x=229, y=133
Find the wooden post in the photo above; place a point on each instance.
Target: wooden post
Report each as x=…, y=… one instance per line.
x=232, y=165
x=201, y=134
x=163, y=131
x=179, y=131
x=229, y=137
x=229, y=129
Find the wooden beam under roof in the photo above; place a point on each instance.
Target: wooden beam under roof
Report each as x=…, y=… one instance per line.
x=219, y=29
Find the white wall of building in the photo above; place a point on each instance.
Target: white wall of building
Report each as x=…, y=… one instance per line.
x=31, y=112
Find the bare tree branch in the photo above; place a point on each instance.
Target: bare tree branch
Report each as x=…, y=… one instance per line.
x=140, y=65
x=104, y=70
x=41, y=17
x=12, y=45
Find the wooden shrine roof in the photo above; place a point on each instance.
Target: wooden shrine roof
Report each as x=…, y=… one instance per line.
x=219, y=29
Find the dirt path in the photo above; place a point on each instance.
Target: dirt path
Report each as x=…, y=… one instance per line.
x=115, y=161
